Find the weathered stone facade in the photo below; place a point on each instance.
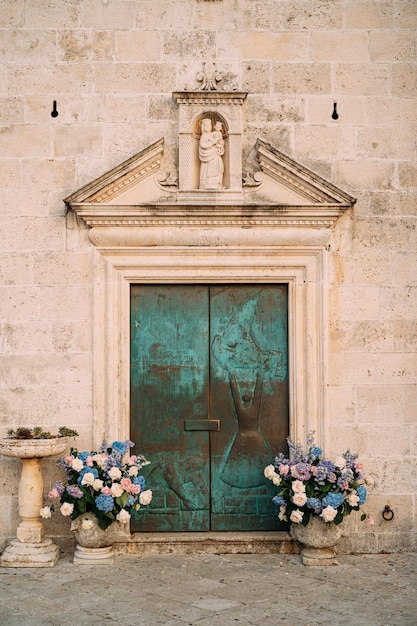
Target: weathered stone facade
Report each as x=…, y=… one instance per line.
x=112, y=67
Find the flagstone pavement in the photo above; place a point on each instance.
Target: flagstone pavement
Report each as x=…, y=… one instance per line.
x=213, y=590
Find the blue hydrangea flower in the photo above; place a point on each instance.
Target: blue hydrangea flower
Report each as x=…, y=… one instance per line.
x=333, y=499
x=139, y=480
x=279, y=500
x=87, y=470
x=119, y=446
x=315, y=452
x=315, y=504
x=105, y=503
x=361, y=491
x=83, y=455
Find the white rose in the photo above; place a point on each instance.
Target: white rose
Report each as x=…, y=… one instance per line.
x=299, y=499
x=133, y=471
x=98, y=484
x=328, y=514
x=66, y=509
x=45, y=512
x=100, y=460
x=353, y=498
x=340, y=462
x=297, y=516
x=269, y=472
x=77, y=465
x=282, y=514
x=298, y=486
x=123, y=516
x=277, y=480
x=88, y=479
x=115, y=473
x=116, y=490
x=87, y=524
x=145, y=497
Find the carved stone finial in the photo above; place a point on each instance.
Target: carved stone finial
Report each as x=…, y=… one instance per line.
x=209, y=77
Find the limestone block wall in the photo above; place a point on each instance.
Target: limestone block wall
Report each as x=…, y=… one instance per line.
x=111, y=66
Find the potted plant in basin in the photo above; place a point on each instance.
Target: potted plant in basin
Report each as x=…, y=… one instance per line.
x=30, y=548
x=104, y=489
x=315, y=494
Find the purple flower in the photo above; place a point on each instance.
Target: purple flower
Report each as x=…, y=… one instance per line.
x=59, y=486
x=74, y=491
x=302, y=471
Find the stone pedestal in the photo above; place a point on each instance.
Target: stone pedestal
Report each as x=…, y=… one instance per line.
x=94, y=545
x=93, y=556
x=31, y=548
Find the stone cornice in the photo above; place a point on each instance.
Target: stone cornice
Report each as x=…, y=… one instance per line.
x=214, y=98
x=173, y=214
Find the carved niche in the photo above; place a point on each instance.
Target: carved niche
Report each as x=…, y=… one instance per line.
x=222, y=109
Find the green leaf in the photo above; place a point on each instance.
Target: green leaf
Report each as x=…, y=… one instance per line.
x=363, y=517
x=339, y=518
x=122, y=500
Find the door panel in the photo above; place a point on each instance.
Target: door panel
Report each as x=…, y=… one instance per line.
x=170, y=373
x=209, y=398
x=248, y=338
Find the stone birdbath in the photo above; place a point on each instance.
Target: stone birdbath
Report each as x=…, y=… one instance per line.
x=31, y=548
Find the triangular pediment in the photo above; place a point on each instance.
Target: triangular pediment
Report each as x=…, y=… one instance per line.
x=124, y=184
x=139, y=187
x=288, y=182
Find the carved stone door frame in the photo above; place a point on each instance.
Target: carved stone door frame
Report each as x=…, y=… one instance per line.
x=302, y=268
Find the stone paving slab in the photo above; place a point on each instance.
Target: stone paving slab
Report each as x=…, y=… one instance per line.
x=214, y=590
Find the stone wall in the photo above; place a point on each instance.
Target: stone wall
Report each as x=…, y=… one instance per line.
x=111, y=66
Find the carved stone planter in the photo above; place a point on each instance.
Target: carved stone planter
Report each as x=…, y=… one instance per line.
x=94, y=545
x=317, y=540
x=30, y=548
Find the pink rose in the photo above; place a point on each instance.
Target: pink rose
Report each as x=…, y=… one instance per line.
x=358, y=466
x=126, y=482
x=89, y=461
x=134, y=489
x=284, y=469
x=69, y=459
x=106, y=491
x=132, y=459
x=53, y=493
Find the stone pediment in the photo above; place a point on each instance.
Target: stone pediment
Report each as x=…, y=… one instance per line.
x=282, y=191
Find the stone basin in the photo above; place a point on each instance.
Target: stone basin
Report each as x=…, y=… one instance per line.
x=32, y=448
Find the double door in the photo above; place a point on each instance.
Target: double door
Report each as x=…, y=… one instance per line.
x=209, y=402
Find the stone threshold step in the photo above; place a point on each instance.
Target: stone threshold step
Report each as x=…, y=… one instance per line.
x=208, y=543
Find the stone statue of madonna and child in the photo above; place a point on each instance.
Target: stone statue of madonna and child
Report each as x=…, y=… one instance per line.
x=211, y=150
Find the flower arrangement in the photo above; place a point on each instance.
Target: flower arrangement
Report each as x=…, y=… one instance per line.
x=310, y=485
x=106, y=483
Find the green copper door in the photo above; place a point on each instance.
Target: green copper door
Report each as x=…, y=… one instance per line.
x=209, y=402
